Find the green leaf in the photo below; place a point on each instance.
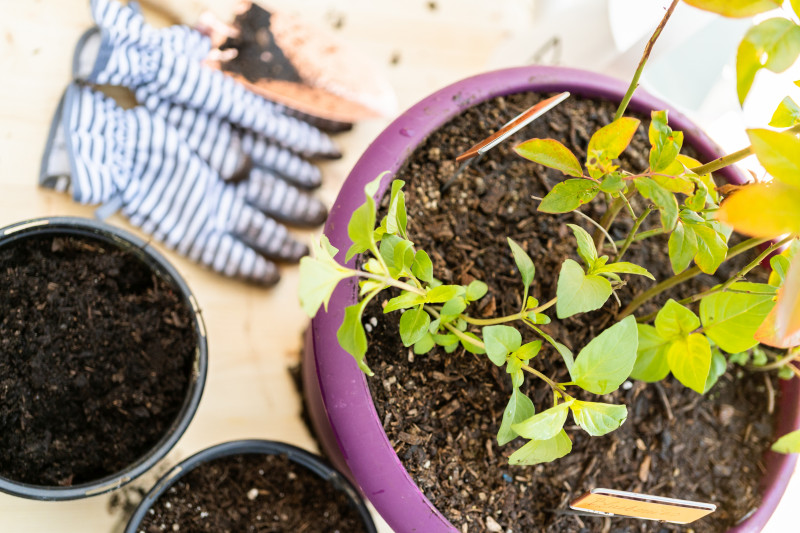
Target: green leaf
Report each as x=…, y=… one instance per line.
x=586, y=249
x=569, y=195
x=451, y=309
x=424, y=345
x=789, y=443
x=682, y=247
x=689, y=360
x=608, y=359
x=386, y=249
x=651, y=356
x=403, y=301
x=524, y=263
x=674, y=320
x=351, y=335
x=779, y=153
x=598, y=419
x=786, y=115
x=712, y=249
x=718, y=366
x=773, y=44
x=780, y=267
x=544, y=425
x=414, y=325
x=362, y=221
x=542, y=451
x=613, y=183
x=422, y=266
x=662, y=198
x=470, y=347
x=550, y=153
x=611, y=140
x=519, y=408
x=735, y=8
x=579, y=293
x=403, y=255
x=666, y=144
x=396, y=218
x=501, y=341
x=623, y=267
x=319, y=276
x=731, y=319
x=528, y=351
x=476, y=290
x=442, y=293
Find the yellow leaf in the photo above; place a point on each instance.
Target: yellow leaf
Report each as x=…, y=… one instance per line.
x=763, y=210
x=779, y=153
x=781, y=328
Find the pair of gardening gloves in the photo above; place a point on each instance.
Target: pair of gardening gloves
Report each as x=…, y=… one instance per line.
x=203, y=165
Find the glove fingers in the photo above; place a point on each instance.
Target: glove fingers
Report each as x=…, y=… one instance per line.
x=281, y=200
x=283, y=161
x=231, y=257
x=265, y=234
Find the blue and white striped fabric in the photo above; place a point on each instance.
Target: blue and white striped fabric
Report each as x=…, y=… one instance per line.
x=166, y=66
x=163, y=185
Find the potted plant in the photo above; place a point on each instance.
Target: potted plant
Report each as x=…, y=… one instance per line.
x=254, y=484
x=690, y=347
x=103, y=358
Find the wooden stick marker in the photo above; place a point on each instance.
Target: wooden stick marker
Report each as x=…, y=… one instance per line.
x=610, y=502
x=513, y=126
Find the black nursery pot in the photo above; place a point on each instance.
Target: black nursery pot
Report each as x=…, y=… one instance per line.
x=336, y=481
x=114, y=238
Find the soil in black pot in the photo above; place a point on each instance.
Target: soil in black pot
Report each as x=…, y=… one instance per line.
x=96, y=355
x=442, y=411
x=252, y=492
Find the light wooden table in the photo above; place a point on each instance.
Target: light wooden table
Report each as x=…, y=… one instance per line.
x=254, y=334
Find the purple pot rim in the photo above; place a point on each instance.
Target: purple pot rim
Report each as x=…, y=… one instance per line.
x=364, y=445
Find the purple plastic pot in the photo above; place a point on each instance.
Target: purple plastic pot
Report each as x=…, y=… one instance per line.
x=339, y=401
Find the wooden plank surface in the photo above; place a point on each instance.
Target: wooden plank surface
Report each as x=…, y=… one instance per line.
x=254, y=334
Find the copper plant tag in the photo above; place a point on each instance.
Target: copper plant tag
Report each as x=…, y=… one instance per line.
x=645, y=506
x=513, y=126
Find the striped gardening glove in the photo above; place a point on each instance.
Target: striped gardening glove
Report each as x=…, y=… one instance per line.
x=190, y=186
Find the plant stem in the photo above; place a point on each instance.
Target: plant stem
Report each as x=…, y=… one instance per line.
x=739, y=275
x=632, y=233
x=553, y=384
x=591, y=221
x=491, y=321
x=734, y=157
x=785, y=360
x=644, y=235
x=547, y=305
x=390, y=281
x=635, y=81
x=608, y=218
x=683, y=276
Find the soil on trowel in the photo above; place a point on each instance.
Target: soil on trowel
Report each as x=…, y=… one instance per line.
x=442, y=411
x=96, y=356
x=264, y=493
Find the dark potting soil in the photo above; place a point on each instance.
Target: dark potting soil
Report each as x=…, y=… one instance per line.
x=442, y=411
x=252, y=492
x=96, y=356
x=259, y=55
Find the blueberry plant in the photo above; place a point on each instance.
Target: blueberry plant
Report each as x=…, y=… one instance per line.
x=756, y=325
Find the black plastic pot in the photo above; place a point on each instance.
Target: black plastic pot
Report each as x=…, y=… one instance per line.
x=311, y=462
x=130, y=243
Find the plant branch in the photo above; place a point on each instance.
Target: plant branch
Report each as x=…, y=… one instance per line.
x=734, y=157
x=555, y=386
x=790, y=356
x=608, y=218
x=680, y=278
x=739, y=275
x=492, y=321
x=591, y=221
x=647, y=49
x=390, y=281
x=644, y=235
x=632, y=233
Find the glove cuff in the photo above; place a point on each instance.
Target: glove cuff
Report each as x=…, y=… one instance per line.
x=101, y=142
